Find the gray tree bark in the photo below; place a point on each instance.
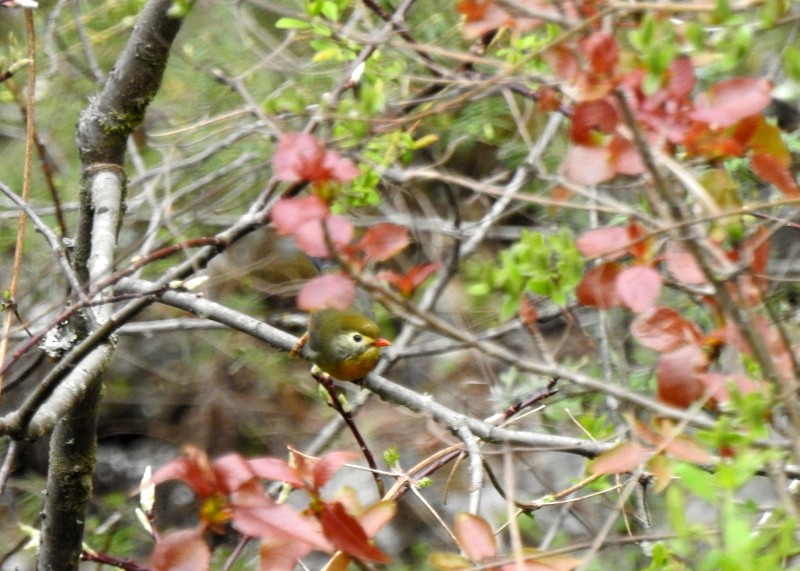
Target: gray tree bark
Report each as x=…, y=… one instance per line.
x=103, y=131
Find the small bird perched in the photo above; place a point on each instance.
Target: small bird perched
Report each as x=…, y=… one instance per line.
x=345, y=344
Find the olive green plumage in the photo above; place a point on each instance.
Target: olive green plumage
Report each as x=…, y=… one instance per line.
x=344, y=344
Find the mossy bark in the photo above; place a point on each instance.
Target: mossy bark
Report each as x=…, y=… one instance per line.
x=103, y=130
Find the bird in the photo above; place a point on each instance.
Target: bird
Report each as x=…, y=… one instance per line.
x=345, y=344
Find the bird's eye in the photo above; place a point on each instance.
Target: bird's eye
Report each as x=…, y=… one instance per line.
x=357, y=338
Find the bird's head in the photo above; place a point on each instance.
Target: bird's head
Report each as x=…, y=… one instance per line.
x=344, y=344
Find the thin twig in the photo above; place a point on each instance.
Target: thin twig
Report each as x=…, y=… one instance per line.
x=326, y=381
x=8, y=464
x=26, y=183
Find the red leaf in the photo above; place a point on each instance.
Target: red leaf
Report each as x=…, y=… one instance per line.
x=597, y=286
x=750, y=132
x=339, y=169
x=475, y=536
x=717, y=385
x=564, y=63
x=527, y=311
x=663, y=329
x=640, y=245
x=474, y=10
x=275, y=469
x=676, y=375
x=588, y=165
x=772, y=170
x=183, y=550
x=624, y=457
x=279, y=522
x=411, y=280
x=376, y=516
x=301, y=156
x=347, y=535
x=610, y=242
x=644, y=433
x=298, y=156
x=233, y=471
x=681, y=79
x=277, y=554
x=638, y=287
x=729, y=101
x=336, y=291
x=482, y=16
x=311, y=240
x=625, y=157
x=326, y=466
x=547, y=98
x=688, y=450
x=700, y=139
x=761, y=136
x=780, y=352
x=602, y=51
x=289, y=214
x=684, y=267
x=194, y=470
x=590, y=117
x=383, y=241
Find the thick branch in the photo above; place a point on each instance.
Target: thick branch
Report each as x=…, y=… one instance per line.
x=382, y=387
x=103, y=130
x=105, y=124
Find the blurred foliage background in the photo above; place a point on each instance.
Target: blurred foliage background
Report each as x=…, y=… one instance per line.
x=241, y=74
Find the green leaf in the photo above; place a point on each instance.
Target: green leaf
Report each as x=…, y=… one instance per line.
x=331, y=11
x=391, y=457
x=742, y=469
x=791, y=62
x=697, y=481
x=292, y=24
